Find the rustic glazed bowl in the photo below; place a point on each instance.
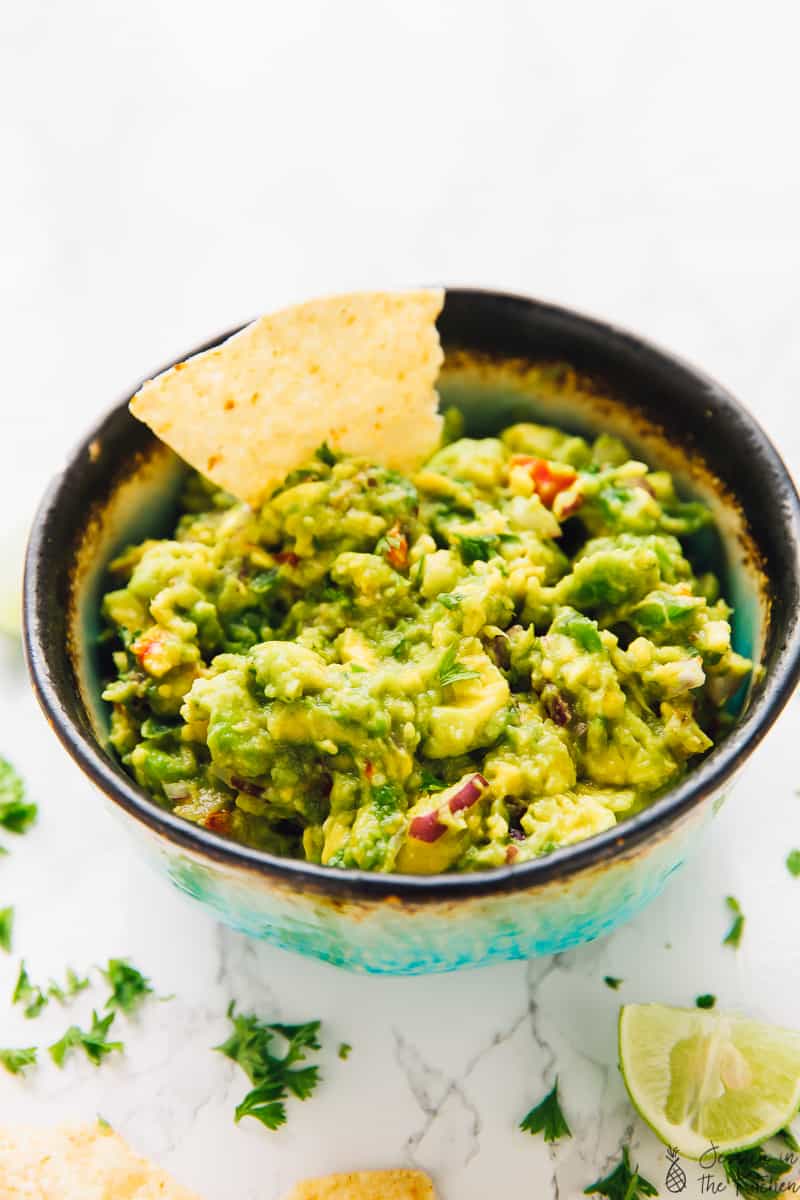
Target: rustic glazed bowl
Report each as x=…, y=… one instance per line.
x=507, y=359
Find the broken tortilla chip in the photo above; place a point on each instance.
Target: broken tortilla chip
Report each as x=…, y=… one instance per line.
x=366, y=1185
x=356, y=371
x=83, y=1162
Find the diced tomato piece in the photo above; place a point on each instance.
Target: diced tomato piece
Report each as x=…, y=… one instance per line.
x=219, y=822
x=548, y=478
x=369, y=769
x=289, y=557
x=397, y=552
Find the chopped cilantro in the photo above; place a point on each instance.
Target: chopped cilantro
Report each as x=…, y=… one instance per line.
x=450, y=600
x=16, y=1061
x=325, y=455
x=93, y=1041
x=789, y=1139
x=344, y=1050
x=429, y=781
x=128, y=986
x=385, y=799
x=6, y=928
x=734, y=935
x=274, y=1076
x=264, y=582
x=28, y=994
x=547, y=1118
x=477, y=549
x=793, y=862
x=612, y=982
x=706, y=1000
x=15, y=815
x=753, y=1172
x=451, y=671
x=622, y=1183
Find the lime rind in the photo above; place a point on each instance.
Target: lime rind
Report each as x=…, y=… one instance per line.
x=700, y=1077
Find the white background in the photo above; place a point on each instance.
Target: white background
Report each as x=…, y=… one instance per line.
x=169, y=169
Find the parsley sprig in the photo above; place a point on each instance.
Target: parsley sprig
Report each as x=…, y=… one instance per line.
x=451, y=671
x=547, y=1118
x=93, y=1041
x=275, y=1076
x=623, y=1183
x=29, y=995
x=753, y=1172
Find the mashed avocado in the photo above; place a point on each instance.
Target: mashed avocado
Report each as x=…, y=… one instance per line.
x=503, y=654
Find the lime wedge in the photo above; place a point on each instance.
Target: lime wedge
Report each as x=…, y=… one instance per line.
x=698, y=1077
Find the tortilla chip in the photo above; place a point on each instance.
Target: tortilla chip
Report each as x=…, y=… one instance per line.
x=84, y=1162
x=357, y=372
x=366, y=1185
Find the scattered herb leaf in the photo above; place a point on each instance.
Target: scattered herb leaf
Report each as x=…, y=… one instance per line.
x=612, y=982
x=28, y=994
x=104, y=1124
x=547, y=1118
x=74, y=984
x=429, y=781
x=793, y=862
x=6, y=928
x=16, y=1061
x=706, y=1000
x=753, y=1172
x=128, y=986
x=274, y=1076
x=93, y=1041
x=622, y=1183
x=789, y=1139
x=325, y=455
x=734, y=935
x=15, y=815
x=344, y=1050
x=477, y=549
x=451, y=671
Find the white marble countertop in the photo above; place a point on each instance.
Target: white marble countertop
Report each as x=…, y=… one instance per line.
x=172, y=169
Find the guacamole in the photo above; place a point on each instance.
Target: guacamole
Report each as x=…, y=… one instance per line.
x=502, y=654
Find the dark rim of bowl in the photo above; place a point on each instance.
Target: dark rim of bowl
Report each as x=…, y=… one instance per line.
x=617, y=842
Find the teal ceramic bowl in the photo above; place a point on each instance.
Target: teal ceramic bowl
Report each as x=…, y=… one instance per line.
x=507, y=359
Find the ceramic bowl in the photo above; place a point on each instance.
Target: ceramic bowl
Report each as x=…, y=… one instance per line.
x=507, y=359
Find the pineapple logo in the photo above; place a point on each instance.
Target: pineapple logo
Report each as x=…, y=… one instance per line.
x=676, y=1176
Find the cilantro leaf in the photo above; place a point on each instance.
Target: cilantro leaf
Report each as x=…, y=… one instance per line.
x=16, y=1061
x=622, y=1183
x=793, y=862
x=753, y=1172
x=547, y=1118
x=706, y=1000
x=15, y=815
x=275, y=1076
x=450, y=600
x=93, y=1041
x=451, y=671
x=478, y=548
x=734, y=935
x=325, y=455
x=612, y=982
x=28, y=994
x=128, y=986
x=344, y=1050
x=74, y=984
x=6, y=928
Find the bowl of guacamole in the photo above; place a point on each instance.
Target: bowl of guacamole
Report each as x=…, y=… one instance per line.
x=408, y=721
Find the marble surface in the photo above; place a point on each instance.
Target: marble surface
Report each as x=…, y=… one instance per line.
x=172, y=169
